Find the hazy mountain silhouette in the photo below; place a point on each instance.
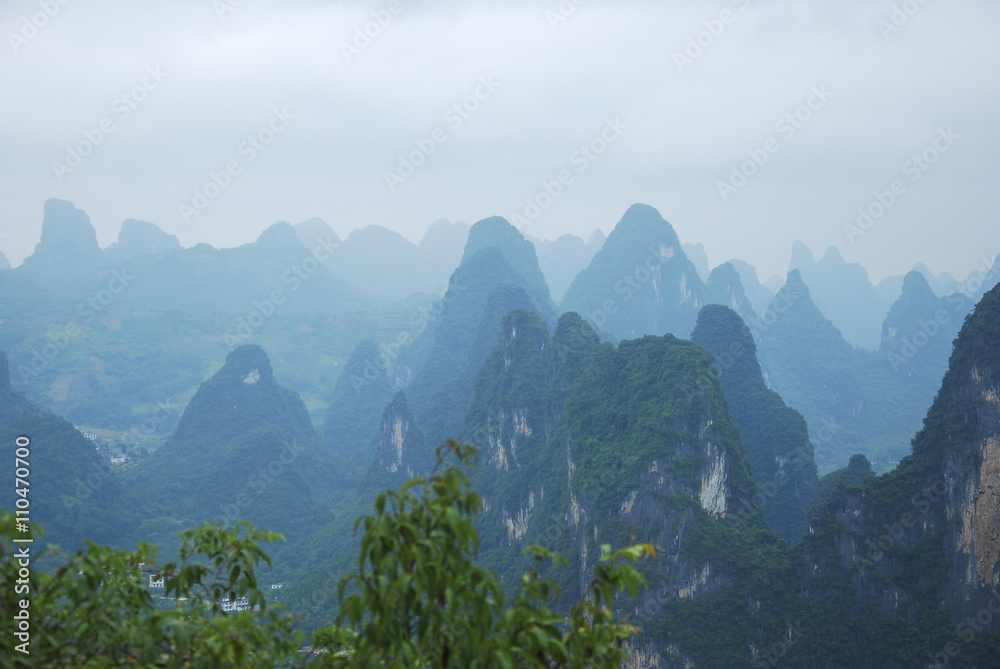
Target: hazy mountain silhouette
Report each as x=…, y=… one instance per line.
x=139, y=238
x=775, y=437
x=841, y=291
x=67, y=250
x=759, y=295
x=75, y=494
x=386, y=265
x=562, y=260
x=696, y=254
x=640, y=282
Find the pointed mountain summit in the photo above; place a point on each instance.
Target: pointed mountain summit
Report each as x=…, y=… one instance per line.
x=696, y=254
x=890, y=287
x=725, y=287
x=916, y=300
x=640, y=282
x=928, y=532
x=802, y=257
x=68, y=248
x=774, y=436
x=516, y=250
x=486, y=285
x=442, y=417
x=4, y=263
x=240, y=397
x=758, y=294
x=243, y=450
x=842, y=291
x=140, y=238
x=361, y=392
x=916, y=342
x=312, y=231
x=499, y=273
x=562, y=260
x=854, y=474
x=596, y=240
x=942, y=284
x=280, y=240
x=807, y=361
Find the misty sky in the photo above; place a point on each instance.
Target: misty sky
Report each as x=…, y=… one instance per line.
x=346, y=115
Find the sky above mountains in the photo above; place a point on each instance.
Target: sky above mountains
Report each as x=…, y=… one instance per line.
x=748, y=123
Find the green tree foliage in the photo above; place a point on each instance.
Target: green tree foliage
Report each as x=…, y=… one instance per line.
x=96, y=611
x=83, y=498
x=417, y=600
x=244, y=449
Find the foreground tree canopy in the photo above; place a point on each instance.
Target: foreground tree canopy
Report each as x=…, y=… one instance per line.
x=417, y=599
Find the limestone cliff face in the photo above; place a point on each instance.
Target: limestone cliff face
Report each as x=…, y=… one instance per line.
x=972, y=507
x=928, y=533
x=400, y=445
x=653, y=456
x=640, y=282
x=506, y=422
x=774, y=436
x=584, y=445
x=664, y=490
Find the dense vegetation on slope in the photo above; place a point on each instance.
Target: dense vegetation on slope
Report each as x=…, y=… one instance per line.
x=71, y=490
x=809, y=364
x=858, y=401
x=581, y=443
x=640, y=282
x=897, y=547
x=361, y=392
x=244, y=449
x=774, y=436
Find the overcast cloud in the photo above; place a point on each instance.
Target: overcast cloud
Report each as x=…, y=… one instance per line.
x=556, y=87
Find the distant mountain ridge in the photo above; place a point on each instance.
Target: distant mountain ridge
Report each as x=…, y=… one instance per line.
x=68, y=248
x=564, y=258
x=938, y=509
x=387, y=266
x=639, y=282
x=843, y=293
x=140, y=238
x=774, y=436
